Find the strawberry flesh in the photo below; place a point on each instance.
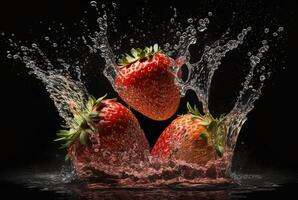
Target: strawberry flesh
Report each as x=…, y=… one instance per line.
x=182, y=140
x=149, y=87
x=119, y=139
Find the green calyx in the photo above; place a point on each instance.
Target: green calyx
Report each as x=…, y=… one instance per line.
x=138, y=54
x=82, y=123
x=215, y=128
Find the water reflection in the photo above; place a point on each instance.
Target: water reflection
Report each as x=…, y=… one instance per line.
x=65, y=187
x=149, y=194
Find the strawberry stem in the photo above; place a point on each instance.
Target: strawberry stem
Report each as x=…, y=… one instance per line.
x=138, y=54
x=82, y=123
x=215, y=128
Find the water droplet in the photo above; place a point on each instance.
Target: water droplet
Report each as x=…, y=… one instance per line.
x=9, y=56
x=263, y=49
x=181, y=39
x=175, y=12
x=210, y=14
x=248, y=53
x=16, y=56
x=114, y=4
x=262, y=78
x=274, y=34
x=280, y=29
x=46, y=38
x=207, y=48
x=266, y=30
x=201, y=22
x=131, y=40
x=240, y=36
x=193, y=40
x=193, y=31
x=202, y=28
x=23, y=48
x=254, y=59
x=12, y=35
x=172, y=20
x=248, y=28
x=93, y=3
x=103, y=5
x=260, y=55
x=34, y=45
x=178, y=33
x=206, y=20
x=2, y=33
x=264, y=42
x=190, y=20
x=55, y=45
x=263, y=68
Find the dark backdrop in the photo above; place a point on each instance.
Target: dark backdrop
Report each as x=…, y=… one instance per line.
x=269, y=138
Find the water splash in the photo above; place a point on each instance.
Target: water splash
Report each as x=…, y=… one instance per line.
x=65, y=88
x=200, y=73
x=101, y=44
x=251, y=92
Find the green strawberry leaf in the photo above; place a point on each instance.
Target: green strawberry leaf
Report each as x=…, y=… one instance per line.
x=93, y=114
x=219, y=150
x=83, y=138
x=155, y=47
x=194, y=111
x=204, y=122
x=99, y=100
x=82, y=124
x=134, y=53
x=204, y=135
x=66, y=158
x=198, y=117
x=138, y=54
x=63, y=133
x=60, y=139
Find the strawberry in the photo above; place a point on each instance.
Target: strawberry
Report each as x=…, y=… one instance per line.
x=146, y=84
x=103, y=133
x=192, y=137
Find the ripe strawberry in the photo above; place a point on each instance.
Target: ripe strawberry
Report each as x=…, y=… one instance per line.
x=103, y=133
x=192, y=137
x=146, y=83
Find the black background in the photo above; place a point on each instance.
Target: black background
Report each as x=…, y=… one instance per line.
x=268, y=139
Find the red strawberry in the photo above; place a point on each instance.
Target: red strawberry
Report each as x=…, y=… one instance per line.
x=191, y=137
x=103, y=133
x=146, y=83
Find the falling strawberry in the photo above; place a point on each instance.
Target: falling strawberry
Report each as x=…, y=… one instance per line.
x=192, y=137
x=103, y=133
x=146, y=84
